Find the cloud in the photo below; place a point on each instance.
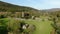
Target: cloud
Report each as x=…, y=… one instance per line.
x=55, y=3
x=47, y=4
x=52, y=2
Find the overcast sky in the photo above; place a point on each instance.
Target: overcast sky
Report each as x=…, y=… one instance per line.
x=38, y=4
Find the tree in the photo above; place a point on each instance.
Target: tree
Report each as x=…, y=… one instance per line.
x=56, y=26
x=3, y=27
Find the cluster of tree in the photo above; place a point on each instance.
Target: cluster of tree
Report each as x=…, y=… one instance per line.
x=56, y=24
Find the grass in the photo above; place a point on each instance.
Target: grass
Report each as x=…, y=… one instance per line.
x=42, y=27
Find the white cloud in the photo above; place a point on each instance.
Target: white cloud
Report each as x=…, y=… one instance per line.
x=55, y=3
x=52, y=2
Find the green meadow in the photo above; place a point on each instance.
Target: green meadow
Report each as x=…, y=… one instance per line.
x=42, y=26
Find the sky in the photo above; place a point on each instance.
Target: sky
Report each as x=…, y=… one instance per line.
x=37, y=4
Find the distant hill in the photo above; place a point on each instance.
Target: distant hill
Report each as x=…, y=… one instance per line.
x=52, y=10
x=10, y=7
x=4, y=6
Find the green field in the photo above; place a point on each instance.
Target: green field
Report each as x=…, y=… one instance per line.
x=42, y=27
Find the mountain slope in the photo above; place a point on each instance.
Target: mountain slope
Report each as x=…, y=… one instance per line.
x=10, y=7
x=52, y=10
